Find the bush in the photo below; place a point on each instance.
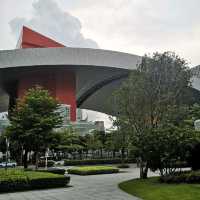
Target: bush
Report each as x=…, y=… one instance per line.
x=182, y=177
x=50, y=163
x=16, y=180
x=123, y=166
x=194, y=158
x=54, y=170
x=95, y=161
x=93, y=170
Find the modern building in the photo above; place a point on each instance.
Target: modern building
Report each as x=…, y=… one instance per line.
x=78, y=77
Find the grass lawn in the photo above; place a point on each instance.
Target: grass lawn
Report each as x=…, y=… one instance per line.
x=151, y=189
x=92, y=170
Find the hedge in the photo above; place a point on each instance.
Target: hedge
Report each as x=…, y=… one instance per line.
x=93, y=170
x=54, y=170
x=182, y=177
x=96, y=161
x=18, y=180
x=42, y=163
x=123, y=166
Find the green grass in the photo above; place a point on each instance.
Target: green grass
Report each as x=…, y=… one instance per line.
x=92, y=170
x=152, y=189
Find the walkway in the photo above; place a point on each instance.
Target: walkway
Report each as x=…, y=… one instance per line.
x=95, y=187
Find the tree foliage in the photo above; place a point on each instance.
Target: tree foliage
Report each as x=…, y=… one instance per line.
x=147, y=97
x=32, y=121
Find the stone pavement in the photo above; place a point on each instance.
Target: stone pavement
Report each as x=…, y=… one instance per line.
x=94, y=187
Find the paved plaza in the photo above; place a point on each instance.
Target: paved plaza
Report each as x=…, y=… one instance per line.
x=94, y=187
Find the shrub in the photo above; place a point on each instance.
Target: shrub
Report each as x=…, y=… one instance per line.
x=50, y=163
x=92, y=170
x=56, y=170
x=182, y=177
x=194, y=158
x=123, y=166
x=15, y=180
x=48, y=181
x=95, y=161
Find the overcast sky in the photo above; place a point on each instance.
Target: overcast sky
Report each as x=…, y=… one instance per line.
x=133, y=26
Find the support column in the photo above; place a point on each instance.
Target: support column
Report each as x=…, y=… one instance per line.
x=60, y=83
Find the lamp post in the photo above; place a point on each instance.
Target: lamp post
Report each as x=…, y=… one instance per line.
x=46, y=158
x=7, y=146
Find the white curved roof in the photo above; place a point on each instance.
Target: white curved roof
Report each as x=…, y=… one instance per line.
x=67, y=56
x=98, y=72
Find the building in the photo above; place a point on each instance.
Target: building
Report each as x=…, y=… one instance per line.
x=4, y=122
x=78, y=77
x=100, y=126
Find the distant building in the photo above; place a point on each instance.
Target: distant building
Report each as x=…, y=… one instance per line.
x=4, y=122
x=64, y=111
x=79, y=114
x=99, y=126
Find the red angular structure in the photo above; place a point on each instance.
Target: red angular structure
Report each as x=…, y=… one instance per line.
x=60, y=83
x=33, y=39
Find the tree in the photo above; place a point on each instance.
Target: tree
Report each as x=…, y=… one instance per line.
x=70, y=141
x=145, y=97
x=193, y=160
x=32, y=121
x=93, y=142
x=122, y=137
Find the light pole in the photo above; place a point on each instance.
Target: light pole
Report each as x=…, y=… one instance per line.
x=7, y=146
x=46, y=158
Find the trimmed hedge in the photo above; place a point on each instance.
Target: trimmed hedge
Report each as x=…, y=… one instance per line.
x=54, y=170
x=123, y=166
x=93, y=170
x=18, y=180
x=96, y=161
x=42, y=163
x=182, y=177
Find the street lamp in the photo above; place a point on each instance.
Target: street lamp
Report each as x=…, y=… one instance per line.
x=7, y=147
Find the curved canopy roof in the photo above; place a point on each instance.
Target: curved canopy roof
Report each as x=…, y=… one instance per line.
x=98, y=72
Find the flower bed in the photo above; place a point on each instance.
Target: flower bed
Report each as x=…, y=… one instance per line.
x=92, y=170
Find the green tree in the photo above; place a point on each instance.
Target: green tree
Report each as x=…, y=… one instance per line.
x=93, y=142
x=145, y=97
x=32, y=121
x=70, y=141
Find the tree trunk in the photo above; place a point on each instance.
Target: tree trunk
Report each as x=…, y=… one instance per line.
x=123, y=155
x=36, y=160
x=21, y=156
x=25, y=159
x=101, y=153
x=113, y=153
x=143, y=170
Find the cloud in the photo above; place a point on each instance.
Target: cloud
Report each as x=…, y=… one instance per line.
x=97, y=116
x=52, y=21
x=143, y=26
